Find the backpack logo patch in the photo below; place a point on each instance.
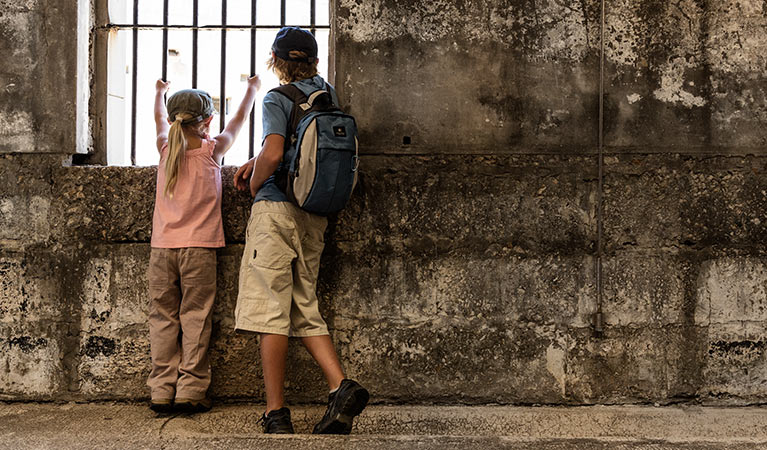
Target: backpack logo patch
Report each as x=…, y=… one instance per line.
x=339, y=131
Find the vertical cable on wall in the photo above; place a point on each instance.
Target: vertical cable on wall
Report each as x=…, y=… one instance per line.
x=597, y=320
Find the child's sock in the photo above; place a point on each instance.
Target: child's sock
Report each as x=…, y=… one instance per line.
x=335, y=390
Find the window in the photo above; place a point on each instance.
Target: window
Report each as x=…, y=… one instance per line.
x=213, y=45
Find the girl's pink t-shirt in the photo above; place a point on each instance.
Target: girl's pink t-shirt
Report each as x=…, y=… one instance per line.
x=192, y=217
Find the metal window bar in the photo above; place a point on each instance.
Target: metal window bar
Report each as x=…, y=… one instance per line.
x=134, y=86
x=195, y=14
x=165, y=41
x=222, y=90
x=195, y=27
x=252, y=119
x=312, y=15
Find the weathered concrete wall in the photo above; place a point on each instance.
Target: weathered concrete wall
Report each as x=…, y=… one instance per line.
x=463, y=271
x=687, y=76
x=482, y=76
x=494, y=76
x=38, y=76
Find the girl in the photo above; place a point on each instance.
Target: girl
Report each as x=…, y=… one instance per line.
x=186, y=230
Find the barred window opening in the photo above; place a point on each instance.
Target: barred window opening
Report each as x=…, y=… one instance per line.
x=213, y=45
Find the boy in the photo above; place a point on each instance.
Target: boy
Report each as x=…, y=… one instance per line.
x=278, y=275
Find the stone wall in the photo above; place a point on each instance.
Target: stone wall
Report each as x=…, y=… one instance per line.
x=38, y=40
x=464, y=270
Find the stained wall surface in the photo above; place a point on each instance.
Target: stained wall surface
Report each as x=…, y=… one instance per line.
x=38, y=76
x=464, y=269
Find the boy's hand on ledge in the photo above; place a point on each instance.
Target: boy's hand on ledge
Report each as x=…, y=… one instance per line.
x=162, y=86
x=242, y=177
x=254, y=81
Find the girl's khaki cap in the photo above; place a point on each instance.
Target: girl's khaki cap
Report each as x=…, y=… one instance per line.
x=192, y=101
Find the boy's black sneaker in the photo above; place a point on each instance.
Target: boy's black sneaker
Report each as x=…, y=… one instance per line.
x=345, y=403
x=277, y=422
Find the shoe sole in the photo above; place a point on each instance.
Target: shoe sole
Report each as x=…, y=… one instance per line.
x=344, y=420
x=190, y=408
x=161, y=408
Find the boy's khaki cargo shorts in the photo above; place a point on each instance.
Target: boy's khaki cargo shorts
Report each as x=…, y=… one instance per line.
x=278, y=274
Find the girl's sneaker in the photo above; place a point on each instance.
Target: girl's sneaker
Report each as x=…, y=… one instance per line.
x=187, y=405
x=346, y=402
x=277, y=422
x=161, y=405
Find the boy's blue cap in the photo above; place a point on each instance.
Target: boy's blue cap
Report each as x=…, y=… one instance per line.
x=193, y=101
x=294, y=38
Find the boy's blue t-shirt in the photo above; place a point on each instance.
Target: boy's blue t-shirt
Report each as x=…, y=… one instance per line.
x=276, y=115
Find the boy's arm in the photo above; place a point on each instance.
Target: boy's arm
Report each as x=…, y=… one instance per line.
x=242, y=177
x=266, y=162
x=273, y=121
x=225, y=140
x=161, y=113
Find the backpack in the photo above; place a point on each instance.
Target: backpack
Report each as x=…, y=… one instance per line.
x=321, y=160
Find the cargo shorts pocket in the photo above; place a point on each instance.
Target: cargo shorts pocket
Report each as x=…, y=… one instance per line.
x=272, y=249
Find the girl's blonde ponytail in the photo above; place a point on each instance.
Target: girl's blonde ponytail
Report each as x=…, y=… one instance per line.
x=176, y=151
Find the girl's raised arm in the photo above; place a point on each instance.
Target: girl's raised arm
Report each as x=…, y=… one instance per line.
x=225, y=140
x=161, y=113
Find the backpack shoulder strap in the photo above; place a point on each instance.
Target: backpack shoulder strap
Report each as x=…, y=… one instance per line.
x=291, y=91
x=297, y=96
x=330, y=94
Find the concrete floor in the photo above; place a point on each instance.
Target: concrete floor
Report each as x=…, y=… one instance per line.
x=130, y=425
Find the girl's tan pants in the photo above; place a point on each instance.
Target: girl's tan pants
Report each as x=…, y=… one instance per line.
x=182, y=288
